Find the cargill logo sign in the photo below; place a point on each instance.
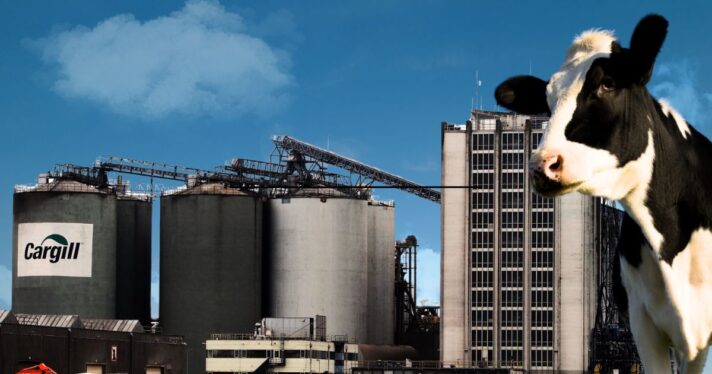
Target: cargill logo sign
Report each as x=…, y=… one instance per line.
x=54, y=249
x=64, y=251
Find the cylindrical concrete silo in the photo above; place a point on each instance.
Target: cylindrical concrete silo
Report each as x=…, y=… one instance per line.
x=381, y=273
x=64, y=257
x=317, y=261
x=211, y=265
x=133, y=258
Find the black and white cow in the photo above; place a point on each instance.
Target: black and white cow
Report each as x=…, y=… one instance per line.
x=609, y=137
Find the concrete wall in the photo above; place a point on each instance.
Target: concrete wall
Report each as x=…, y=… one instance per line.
x=454, y=205
x=90, y=297
x=576, y=287
x=381, y=274
x=318, y=262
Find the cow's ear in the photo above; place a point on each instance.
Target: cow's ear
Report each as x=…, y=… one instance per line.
x=645, y=44
x=523, y=94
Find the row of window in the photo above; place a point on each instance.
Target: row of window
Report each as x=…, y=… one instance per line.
x=513, y=298
x=510, y=200
x=539, y=358
x=512, y=220
x=513, y=338
x=512, y=259
x=510, y=140
x=261, y=353
x=513, y=278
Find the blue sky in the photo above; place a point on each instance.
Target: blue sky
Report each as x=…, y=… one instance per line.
x=202, y=82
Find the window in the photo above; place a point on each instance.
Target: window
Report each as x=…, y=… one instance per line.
x=511, y=298
x=542, y=358
x=512, y=219
x=542, y=338
x=543, y=219
x=541, y=202
x=512, y=278
x=483, y=142
x=513, y=161
x=542, y=278
x=482, y=220
x=512, y=180
x=512, y=318
x=511, y=338
x=512, y=141
x=483, y=161
x=482, y=338
x=512, y=239
x=482, y=239
x=482, y=298
x=512, y=200
x=542, y=299
x=482, y=200
x=481, y=357
x=536, y=139
x=482, y=318
x=542, y=318
x=542, y=259
x=482, y=181
x=542, y=239
x=511, y=357
x=482, y=259
x=512, y=259
x=482, y=279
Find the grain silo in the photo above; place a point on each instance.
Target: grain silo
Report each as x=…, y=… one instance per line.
x=317, y=261
x=381, y=272
x=133, y=256
x=211, y=264
x=64, y=257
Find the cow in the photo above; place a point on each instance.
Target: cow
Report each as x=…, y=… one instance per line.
x=608, y=137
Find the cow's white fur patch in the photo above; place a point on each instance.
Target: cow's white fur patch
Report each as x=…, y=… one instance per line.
x=679, y=119
x=675, y=296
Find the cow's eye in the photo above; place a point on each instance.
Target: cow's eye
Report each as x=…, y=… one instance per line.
x=608, y=84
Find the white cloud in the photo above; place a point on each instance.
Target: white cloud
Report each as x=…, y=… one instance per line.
x=428, y=277
x=5, y=287
x=676, y=82
x=201, y=60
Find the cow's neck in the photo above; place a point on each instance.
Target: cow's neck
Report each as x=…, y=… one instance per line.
x=677, y=200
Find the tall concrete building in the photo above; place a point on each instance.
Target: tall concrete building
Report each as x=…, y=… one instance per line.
x=518, y=284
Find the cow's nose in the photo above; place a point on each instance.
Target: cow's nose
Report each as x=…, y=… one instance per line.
x=551, y=166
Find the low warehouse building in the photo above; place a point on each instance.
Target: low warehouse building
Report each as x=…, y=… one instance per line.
x=68, y=345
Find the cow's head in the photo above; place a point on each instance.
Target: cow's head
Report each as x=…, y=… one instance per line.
x=600, y=126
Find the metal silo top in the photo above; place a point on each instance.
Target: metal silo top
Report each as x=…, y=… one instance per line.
x=207, y=189
x=59, y=186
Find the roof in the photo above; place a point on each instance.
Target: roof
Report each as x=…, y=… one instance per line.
x=50, y=320
x=6, y=316
x=123, y=325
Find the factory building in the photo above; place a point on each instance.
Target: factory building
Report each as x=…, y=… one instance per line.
x=294, y=345
x=71, y=344
x=248, y=240
x=80, y=249
x=518, y=286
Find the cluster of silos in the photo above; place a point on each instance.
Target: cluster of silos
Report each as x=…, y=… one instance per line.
x=211, y=264
x=230, y=257
x=73, y=246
